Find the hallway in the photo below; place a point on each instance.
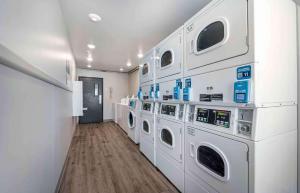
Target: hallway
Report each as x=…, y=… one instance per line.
x=102, y=159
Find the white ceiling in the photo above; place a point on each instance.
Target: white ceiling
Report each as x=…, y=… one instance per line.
x=127, y=27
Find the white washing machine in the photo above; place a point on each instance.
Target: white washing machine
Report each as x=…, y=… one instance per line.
x=147, y=67
x=227, y=34
x=134, y=120
x=122, y=116
x=240, y=150
x=169, y=55
x=170, y=142
x=147, y=131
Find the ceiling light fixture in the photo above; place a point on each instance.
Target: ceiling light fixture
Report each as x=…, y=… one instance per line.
x=141, y=65
x=89, y=58
x=129, y=64
x=94, y=17
x=89, y=66
x=140, y=55
x=91, y=46
x=121, y=69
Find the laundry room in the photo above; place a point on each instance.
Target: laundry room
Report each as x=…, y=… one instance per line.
x=193, y=96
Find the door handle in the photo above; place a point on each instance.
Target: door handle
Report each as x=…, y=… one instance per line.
x=100, y=99
x=84, y=108
x=192, y=149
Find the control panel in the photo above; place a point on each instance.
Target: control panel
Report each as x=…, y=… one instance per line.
x=168, y=110
x=245, y=118
x=147, y=106
x=214, y=117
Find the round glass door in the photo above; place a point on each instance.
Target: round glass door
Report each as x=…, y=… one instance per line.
x=211, y=159
x=146, y=128
x=166, y=137
x=166, y=59
x=210, y=36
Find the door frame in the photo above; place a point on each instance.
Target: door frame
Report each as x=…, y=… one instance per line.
x=102, y=102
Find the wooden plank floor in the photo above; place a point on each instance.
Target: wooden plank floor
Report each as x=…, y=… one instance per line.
x=103, y=160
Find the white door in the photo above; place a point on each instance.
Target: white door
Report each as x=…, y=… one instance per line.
x=217, y=33
x=220, y=161
x=147, y=128
x=131, y=120
x=146, y=71
x=170, y=55
x=169, y=138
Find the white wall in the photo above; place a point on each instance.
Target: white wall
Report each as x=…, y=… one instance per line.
x=117, y=81
x=34, y=30
x=36, y=123
x=133, y=82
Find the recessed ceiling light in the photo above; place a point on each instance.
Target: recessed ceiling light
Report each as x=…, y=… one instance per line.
x=141, y=65
x=128, y=64
x=121, y=69
x=89, y=66
x=90, y=59
x=140, y=55
x=91, y=46
x=94, y=17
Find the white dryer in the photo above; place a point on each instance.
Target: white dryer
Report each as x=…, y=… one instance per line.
x=147, y=131
x=169, y=55
x=170, y=142
x=232, y=150
x=147, y=67
x=134, y=119
x=227, y=34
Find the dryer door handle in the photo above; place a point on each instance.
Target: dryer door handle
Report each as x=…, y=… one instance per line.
x=192, y=150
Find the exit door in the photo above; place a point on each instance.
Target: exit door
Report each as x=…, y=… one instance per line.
x=92, y=100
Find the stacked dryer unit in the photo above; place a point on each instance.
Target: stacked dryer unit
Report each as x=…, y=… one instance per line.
x=240, y=82
x=146, y=95
x=134, y=120
x=170, y=117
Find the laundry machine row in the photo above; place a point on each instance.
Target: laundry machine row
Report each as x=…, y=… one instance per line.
x=236, y=81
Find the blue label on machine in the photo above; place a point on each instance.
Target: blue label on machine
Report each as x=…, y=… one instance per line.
x=176, y=93
x=140, y=93
x=186, y=94
x=241, y=91
x=157, y=90
x=151, y=94
x=188, y=83
x=244, y=72
x=179, y=83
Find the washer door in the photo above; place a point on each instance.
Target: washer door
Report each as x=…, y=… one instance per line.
x=217, y=34
x=221, y=162
x=170, y=55
x=146, y=71
x=131, y=120
x=147, y=122
x=170, y=138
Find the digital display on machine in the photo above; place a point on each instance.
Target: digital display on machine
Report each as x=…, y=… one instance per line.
x=214, y=117
x=147, y=106
x=168, y=110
